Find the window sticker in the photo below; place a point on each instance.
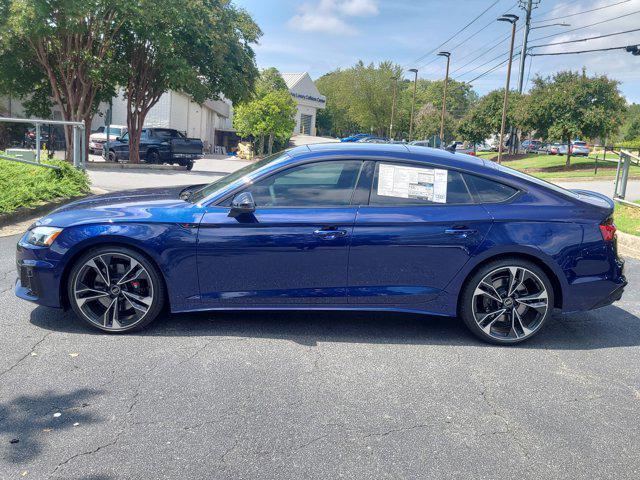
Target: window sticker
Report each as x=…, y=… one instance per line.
x=409, y=182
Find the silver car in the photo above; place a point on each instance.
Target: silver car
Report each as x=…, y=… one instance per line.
x=579, y=148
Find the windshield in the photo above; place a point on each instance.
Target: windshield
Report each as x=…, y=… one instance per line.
x=113, y=131
x=237, y=175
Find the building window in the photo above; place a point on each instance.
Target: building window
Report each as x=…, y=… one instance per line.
x=305, y=124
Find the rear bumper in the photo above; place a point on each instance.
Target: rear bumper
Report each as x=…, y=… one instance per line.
x=614, y=296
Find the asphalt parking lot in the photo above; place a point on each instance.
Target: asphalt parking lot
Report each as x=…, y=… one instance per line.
x=316, y=395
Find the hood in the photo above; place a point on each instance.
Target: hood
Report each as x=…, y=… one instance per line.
x=145, y=204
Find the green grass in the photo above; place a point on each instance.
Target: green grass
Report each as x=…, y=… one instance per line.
x=627, y=218
x=24, y=185
x=553, y=166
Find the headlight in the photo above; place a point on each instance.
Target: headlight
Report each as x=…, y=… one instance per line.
x=43, y=236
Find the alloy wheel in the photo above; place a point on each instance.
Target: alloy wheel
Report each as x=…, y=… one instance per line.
x=510, y=303
x=113, y=291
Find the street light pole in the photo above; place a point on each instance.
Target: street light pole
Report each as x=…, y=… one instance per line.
x=413, y=102
x=513, y=20
x=393, y=106
x=444, y=97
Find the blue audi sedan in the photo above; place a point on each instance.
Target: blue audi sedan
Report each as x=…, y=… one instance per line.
x=333, y=227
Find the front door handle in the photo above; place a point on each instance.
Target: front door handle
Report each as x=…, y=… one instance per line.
x=329, y=233
x=460, y=232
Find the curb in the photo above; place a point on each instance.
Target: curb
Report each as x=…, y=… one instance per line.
x=24, y=213
x=131, y=166
x=628, y=245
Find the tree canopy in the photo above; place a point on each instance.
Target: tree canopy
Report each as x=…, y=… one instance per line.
x=165, y=49
x=571, y=104
x=269, y=113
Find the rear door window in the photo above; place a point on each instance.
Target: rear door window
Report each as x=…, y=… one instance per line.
x=405, y=184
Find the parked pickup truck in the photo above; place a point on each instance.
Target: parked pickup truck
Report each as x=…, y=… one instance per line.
x=158, y=145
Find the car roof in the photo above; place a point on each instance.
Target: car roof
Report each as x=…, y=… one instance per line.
x=388, y=150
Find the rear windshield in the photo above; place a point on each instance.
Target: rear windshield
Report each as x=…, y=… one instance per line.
x=537, y=181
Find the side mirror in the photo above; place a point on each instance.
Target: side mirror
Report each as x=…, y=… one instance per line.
x=452, y=147
x=118, y=139
x=242, y=203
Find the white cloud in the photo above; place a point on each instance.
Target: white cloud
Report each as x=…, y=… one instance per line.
x=359, y=8
x=330, y=16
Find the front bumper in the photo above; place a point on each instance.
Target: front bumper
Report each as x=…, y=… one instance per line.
x=38, y=277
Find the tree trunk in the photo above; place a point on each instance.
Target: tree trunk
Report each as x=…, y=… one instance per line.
x=261, y=148
x=134, y=135
x=270, y=143
x=568, y=163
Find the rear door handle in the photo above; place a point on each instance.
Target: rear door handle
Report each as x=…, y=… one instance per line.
x=329, y=233
x=460, y=232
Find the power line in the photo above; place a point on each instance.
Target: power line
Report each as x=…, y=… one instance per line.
x=477, y=56
x=453, y=36
x=492, y=22
x=580, y=13
x=528, y=73
x=492, y=69
x=481, y=65
x=585, y=39
x=580, y=51
x=586, y=26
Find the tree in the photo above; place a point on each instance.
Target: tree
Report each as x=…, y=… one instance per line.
x=485, y=118
x=199, y=47
x=570, y=104
x=71, y=44
x=270, y=112
x=630, y=129
x=359, y=97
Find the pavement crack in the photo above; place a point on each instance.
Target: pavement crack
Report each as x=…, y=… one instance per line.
x=395, y=430
x=85, y=453
x=509, y=429
x=33, y=347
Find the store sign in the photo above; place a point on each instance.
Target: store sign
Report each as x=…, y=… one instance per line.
x=308, y=97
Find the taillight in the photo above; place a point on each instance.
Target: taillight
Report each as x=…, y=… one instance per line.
x=473, y=154
x=608, y=230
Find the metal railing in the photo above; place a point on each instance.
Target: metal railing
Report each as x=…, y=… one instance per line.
x=622, y=176
x=79, y=147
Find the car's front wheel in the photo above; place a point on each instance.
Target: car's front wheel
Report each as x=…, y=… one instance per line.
x=507, y=301
x=115, y=289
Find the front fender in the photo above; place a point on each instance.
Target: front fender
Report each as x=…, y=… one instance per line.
x=171, y=247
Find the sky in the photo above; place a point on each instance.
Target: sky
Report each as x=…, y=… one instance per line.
x=318, y=36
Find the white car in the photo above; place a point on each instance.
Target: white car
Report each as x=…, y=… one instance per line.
x=98, y=139
x=579, y=148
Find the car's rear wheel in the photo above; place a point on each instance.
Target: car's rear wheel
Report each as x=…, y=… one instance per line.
x=153, y=156
x=115, y=289
x=507, y=301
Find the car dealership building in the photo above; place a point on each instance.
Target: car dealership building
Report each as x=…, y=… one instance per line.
x=308, y=100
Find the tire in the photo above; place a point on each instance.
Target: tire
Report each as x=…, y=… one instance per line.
x=504, y=309
x=153, y=156
x=111, y=156
x=126, y=296
x=189, y=165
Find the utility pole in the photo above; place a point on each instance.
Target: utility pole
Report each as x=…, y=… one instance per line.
x=444, y=97
x=413, y=102
x=525, y=39
x=513, y=19
x=393, y=106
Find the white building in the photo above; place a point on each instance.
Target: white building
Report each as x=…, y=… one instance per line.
x=308, y=100
x=212, y=121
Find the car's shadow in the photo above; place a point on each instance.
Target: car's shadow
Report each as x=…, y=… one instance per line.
x=607, y=327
